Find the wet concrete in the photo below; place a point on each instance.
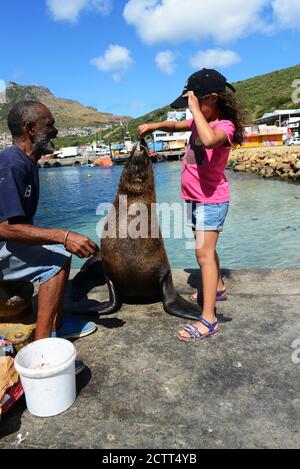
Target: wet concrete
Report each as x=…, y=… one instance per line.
x=142, y=388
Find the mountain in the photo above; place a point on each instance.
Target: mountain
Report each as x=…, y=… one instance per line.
x=257, y=95
x=67, y=113
x=264, y=93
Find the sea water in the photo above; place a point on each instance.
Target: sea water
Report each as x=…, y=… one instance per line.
x=262, y=229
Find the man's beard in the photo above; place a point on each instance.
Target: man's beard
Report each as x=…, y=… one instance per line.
x=42, y=145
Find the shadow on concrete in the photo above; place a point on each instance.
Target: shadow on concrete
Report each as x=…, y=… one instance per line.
x=11, y=422
x=223, y=319
x=108, y=323
x=195, y=281
x=83, y=379
x=113, y=323
x=89, y=305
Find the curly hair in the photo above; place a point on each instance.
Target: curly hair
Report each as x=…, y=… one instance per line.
x=21, y=112
x=230, y=110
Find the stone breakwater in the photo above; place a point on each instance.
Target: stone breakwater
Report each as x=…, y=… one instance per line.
x=280, y=162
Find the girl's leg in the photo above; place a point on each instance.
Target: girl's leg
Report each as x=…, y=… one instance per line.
x=206, y=257
x=220, y=286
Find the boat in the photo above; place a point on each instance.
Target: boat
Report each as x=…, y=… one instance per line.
x=121, y=159
x=104, y=161
x=156, y=157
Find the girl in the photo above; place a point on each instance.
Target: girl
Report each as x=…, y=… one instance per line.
x=215, y=127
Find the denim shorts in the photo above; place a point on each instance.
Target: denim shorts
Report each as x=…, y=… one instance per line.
x=206, y=217
x=20, y=261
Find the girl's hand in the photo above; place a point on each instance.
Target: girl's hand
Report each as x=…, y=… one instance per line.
x=193, y=101
x=145, y=129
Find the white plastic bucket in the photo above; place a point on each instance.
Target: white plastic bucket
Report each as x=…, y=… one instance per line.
x=47, y=371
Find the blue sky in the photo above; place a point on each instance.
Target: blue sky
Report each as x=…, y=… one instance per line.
x=133, y=56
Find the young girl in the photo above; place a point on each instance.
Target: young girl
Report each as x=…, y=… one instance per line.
x=215, y=127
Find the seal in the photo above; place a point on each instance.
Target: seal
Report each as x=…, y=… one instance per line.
x=132, y=261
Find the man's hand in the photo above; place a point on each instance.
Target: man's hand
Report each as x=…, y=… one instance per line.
x=80, y=245
x=145, y=129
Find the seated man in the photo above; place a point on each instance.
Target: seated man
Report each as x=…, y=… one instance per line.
x=28, y=252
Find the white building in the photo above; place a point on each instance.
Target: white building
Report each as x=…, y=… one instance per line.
x=280, y=117
x=172, y=140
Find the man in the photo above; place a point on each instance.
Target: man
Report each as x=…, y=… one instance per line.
x=28, y=252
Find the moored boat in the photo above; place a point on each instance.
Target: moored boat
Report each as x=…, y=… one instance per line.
x=103, y=161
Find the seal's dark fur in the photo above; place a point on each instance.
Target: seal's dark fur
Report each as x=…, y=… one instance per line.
x=137, y=269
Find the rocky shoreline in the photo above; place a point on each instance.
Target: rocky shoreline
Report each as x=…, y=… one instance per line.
x=280, y=162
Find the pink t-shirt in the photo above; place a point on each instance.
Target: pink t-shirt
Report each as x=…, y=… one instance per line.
x=203, y=170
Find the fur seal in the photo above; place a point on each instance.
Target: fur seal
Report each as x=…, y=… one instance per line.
x=136, y=270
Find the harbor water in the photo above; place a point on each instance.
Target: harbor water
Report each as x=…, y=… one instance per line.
x=262, y=229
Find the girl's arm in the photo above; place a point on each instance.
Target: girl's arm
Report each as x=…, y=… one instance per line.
x=167, y=126
x=209, y=137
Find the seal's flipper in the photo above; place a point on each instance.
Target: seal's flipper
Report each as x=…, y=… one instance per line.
x=174, y=304
x=91, y=275
x=111, y=306
x=104, y=308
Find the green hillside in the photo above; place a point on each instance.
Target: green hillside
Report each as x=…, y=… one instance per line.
x=265, y=93
x=257, y=95
x=117, y=133
x=67, y=113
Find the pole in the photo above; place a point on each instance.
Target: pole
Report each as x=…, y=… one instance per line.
x=110, y=151
x=122, y=127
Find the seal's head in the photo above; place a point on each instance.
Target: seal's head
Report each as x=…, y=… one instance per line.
x=137, y=176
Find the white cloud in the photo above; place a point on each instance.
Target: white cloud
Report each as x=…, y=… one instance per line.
x=177, y=20
x=212, y=58
x=69, y=10
x=287, y=13
x=165, y=61
x=116, y=59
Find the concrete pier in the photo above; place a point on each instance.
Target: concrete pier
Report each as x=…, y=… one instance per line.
x=142, y=388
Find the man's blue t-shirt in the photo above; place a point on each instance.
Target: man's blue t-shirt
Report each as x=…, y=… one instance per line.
x=19, y=185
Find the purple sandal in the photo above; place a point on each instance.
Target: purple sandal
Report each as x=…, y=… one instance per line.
x=220, y=296
x=195, y=334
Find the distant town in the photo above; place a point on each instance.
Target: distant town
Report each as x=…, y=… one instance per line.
x=5, y=138
x=272, y=129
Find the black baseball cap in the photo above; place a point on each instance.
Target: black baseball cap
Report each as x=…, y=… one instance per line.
x=204, y=82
